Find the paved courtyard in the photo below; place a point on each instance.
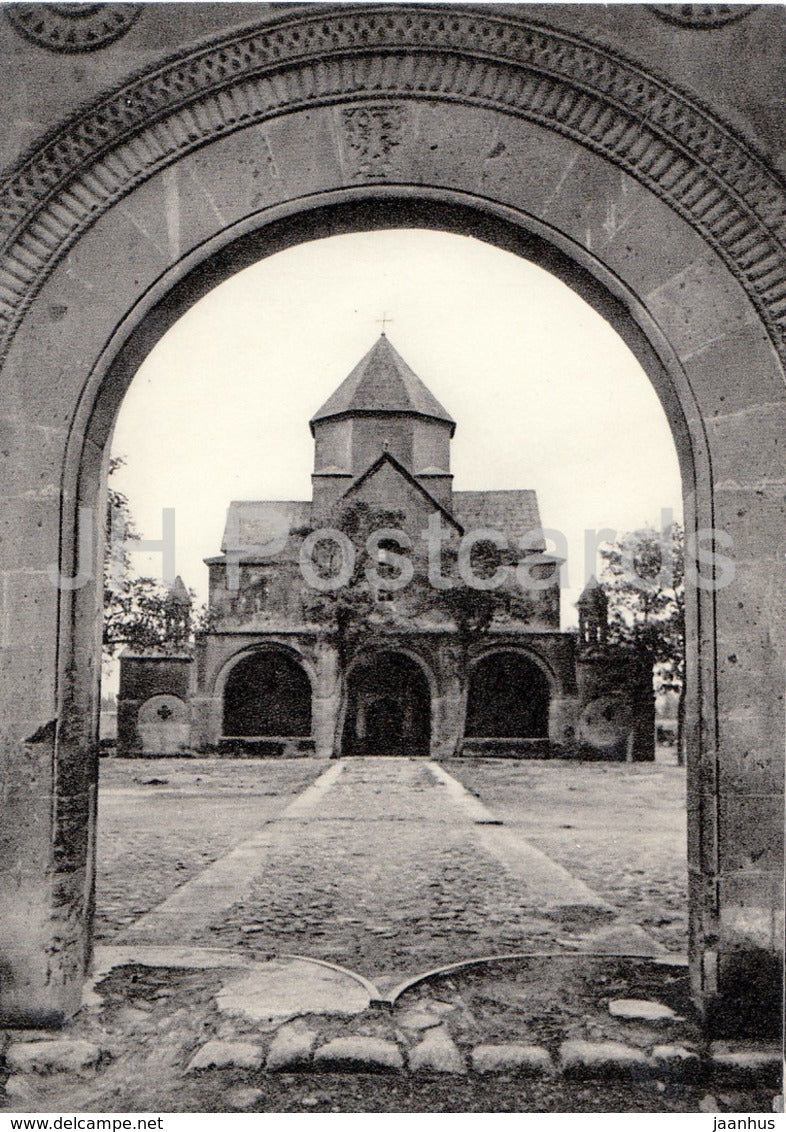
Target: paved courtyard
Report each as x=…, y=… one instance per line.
x=390, y=866
x=261, y=922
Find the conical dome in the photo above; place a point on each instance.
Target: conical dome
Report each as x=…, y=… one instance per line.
x=178, y=594
x=593, y=596
x=382, y=382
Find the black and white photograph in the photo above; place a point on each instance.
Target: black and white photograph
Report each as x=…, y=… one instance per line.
x=392, y=545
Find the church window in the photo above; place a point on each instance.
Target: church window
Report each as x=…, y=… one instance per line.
x=253, y=596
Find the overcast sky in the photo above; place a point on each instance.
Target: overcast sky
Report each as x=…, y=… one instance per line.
x=545, y=394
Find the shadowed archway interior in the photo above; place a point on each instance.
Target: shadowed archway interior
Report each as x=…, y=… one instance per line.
x=267, y=694
x=388, y=707
x=508, y=698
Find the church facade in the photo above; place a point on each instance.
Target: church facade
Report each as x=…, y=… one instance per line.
x=389, y=614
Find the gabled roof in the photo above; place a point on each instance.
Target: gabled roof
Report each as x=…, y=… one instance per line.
x=262, y=523
x=382, y=382
x=386, y=457
x=512, y=513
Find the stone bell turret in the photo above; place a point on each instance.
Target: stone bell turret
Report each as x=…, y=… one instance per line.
x=177, y=613
x=593, y=607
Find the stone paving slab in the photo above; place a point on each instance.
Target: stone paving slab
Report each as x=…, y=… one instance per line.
x=193, y=907
x=226, y=1055
x=642, y=1010
x=546, y=883
x=291, y=1048
x=746, y=1066
x=437, y=1053
x=359, y=1053
x=66, y=1055
x=513, y=1057
x=286, y=988
x=677, y=1062
x=580, y=1058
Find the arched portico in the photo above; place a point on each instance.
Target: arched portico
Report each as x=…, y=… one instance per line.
x=631, y=192
x=266, y=694
x=507, y=697
x=388, y=705
x=221, y=673
x=226, y=666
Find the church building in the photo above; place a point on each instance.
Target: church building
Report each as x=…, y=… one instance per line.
x=389, y=614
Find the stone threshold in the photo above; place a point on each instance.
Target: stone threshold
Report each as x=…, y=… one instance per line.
x=297, y=1047
x=286, y=1010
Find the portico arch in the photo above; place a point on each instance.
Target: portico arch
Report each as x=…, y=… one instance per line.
x=343, y=121
x=507, y=697
x=218, y=682
x=267, y=693
x=389, y=704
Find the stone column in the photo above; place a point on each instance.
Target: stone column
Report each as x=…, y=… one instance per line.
x=127, y=735
x=449, y=709
x=563, y=720
x=48, y=734
x=325, y=701
x=206, y=722
x=735, y=794
x=643, y=747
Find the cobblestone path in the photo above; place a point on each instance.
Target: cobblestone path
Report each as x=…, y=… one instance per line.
x=161, y=822
x=386, y=866
x=619, y=827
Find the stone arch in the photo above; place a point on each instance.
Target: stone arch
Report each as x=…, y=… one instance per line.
x=411, y=653
x=394, y=687
x=554, y=131
x=508, y=696
x=267, y=694
x=662, y=137
x=530, y=654
x=217, y=685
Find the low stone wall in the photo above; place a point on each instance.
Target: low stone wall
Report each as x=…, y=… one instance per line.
x=284, y=747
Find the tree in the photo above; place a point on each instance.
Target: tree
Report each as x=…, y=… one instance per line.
x=139, y=612
x=644, y=579
x=354, y=607
x=474, y=610
x=354, y=610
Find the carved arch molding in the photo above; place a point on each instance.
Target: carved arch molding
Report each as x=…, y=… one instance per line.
x=667, y=141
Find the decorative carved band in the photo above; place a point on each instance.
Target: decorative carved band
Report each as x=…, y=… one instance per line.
x=72, y=28
x=702, y=15
x=373, y=57
x=373, y=132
